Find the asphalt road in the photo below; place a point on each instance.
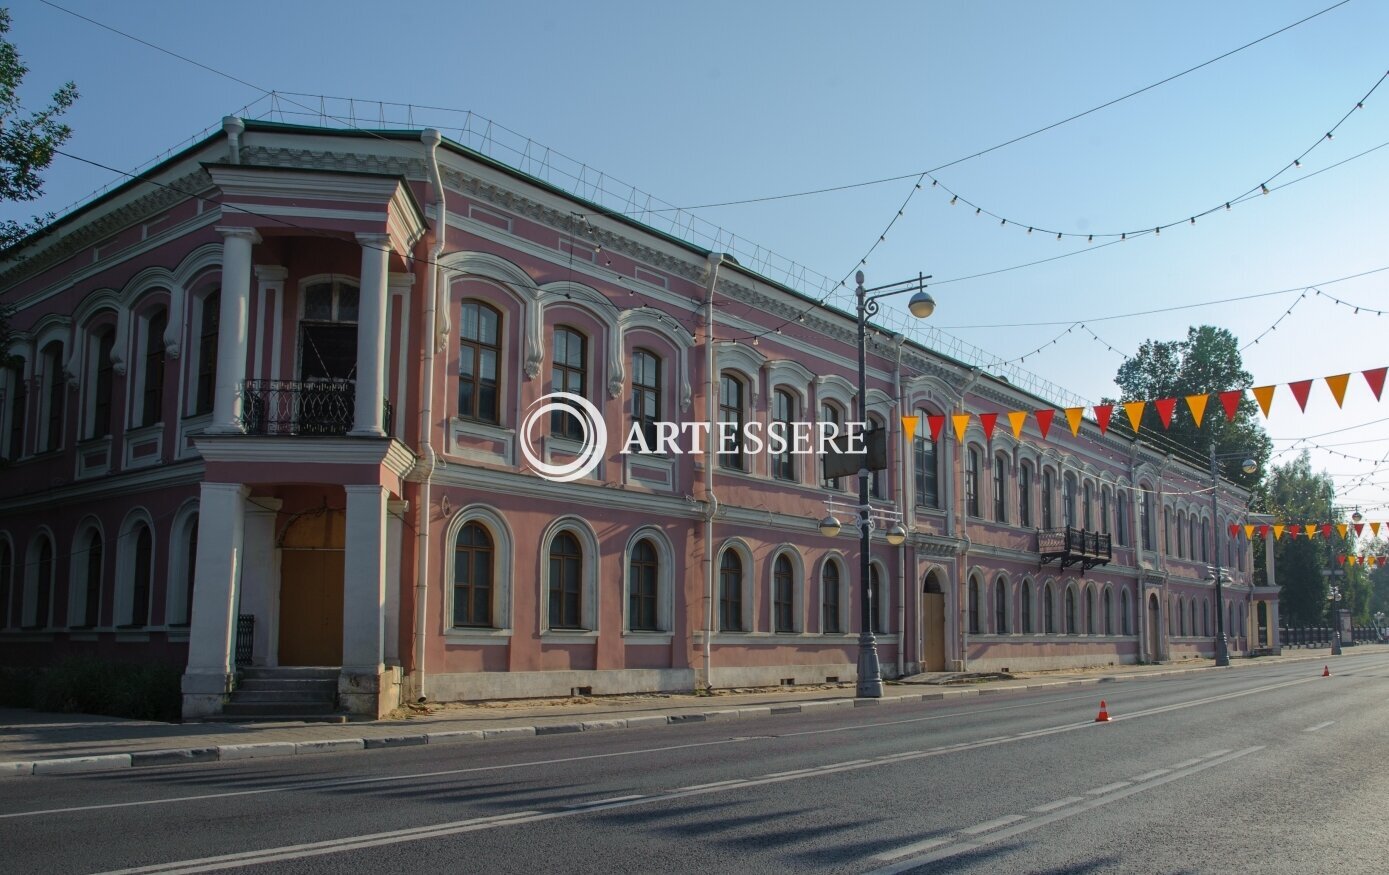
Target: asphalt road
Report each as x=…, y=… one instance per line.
x=1263, y=769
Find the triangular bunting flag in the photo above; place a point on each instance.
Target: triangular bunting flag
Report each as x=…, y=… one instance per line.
x=1310, y=529
x=1263, y=531
x=1374, y=529
x=909, y=424
x=1359, y=560
x=1165, y=408
x=1234, y=530
x=936, y=423
x=1300, y=390
x=1016, y=418
x=1337, y=385
x=1359, y=527
x=1073, y=415
x=1341, y=529
x=1135, y=411
x=1326, y=530
x=1278, y=532
x=1375, y=378
x=1264, y=395
x=1197, y=403
x=961, y=422
x=1044, y=421
x=1102, y=414
x=1340, y=560
x=988, y=420
x=1230, y=401
x=1249, y=532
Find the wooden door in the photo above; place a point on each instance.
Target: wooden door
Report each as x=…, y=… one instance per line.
x=1154, y=629
x=933, y=631
x=311, y=607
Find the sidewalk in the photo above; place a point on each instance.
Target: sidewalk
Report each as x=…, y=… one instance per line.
x=37, y=743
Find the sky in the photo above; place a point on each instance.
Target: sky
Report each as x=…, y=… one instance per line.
x=719, y=102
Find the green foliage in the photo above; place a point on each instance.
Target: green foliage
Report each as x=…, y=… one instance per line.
x=27, y=139
x=1207, y=362
x=85, y=685
x=1295, y=494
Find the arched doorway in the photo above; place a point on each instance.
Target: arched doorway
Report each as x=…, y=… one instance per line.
x=1154, y=628
x=1262, y=613
x=932, y=623
x=311, y=587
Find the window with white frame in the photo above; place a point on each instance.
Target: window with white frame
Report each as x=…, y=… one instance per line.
x=731, y=413
x=152, y=368
x=974, y=619
x=972, y=482
x=133, y=601
x=646, y=394
x=831, y=598
x=1000, y=488
x=101, y=383
x=38, y=583
x=479, y=362
x=1000, y=607
x=16, y=409
x=183, y=564
x=1025, y=496
x=644, y=587
x=566, y=582
x=328, y=331
x=1048, y=521
x=784, y=416
x=731, y=592
x=1026, y=607
x=473, y=563
x=877, y=600
x=875, y=478
x=784, y=594
x=209, y=323
x=926, y=465
x=569, y=373
x=831, y=413
x=87, y=563
x=54, y=398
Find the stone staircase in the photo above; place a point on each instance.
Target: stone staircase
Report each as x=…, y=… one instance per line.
x=284, y=694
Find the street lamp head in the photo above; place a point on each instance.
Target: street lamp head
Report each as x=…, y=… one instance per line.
x=1249, y=466
x=1356, y=517
x=829, y=526
x=922, y=305
x=858, y=277
x=896, y=535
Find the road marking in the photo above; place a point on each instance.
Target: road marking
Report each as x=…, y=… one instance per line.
x=1319, y=726
x=1219, y=753
x=1187, y=763
x=1107, y=788
x=711, y=784
x=988, y=825
x=1149, y=775
x=608, y=801
x=917, y=848
x=1029, y=824
x=1060, y=803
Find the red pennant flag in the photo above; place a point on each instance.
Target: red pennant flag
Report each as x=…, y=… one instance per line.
x=1102, y=414
x=1359, y=527
x=988, y=420
x=1263, y=531
x=1165, y=408
x=1300, y=390
x=1044, y=421
x=1234, y=530
x=1230, y=401
x=936, y=423
x=1326, y=530
x=1340, y=560
x=1375, y=378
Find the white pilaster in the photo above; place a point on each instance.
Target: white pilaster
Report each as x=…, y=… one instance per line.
x=212, y=626
x=364, y=596
x=260, y=576
x=232, y=331
x=395, y=524
x=371, y=336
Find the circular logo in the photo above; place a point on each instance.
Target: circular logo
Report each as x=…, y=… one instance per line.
x=594, y=442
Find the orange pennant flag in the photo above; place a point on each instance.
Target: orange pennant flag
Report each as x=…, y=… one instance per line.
x=961, y=422
x=1278, y=532
x=1073, y=417
x=909, y=424
x=1300, y=390
x=1374, y=529
x=1338, y=384
x=1197, y=403
x=1016, y=418
x=1264, y=395
x=1341, y=529
x=1249, y=532
x=1044, y=420
x=1310, y=529
x=1135, y=411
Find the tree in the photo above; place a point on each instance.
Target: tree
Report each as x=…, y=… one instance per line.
x=1295, y=495
x=1207, y=362
x=27, y=140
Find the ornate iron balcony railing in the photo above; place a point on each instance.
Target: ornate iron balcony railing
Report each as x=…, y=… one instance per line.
x=1068, y=546
x=302, y=407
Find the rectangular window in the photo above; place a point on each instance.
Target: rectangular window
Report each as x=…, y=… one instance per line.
x=829, y=582
x=1068, y=499
x=1121, y=517
x=19, y=406
x=829, y=413
x=927, y=474
x=151, y=411
x=972, y=483
x=784, y=414
x=207, y=353
x=730, y=412
x=568, y=373
x=1145, y=521
x=101, y=401
x=1000, y=487
x=57, y=399
x=479, y=351
x=646, y=394
x=1048, y=517
x=1025, y=497
x=1104, y=511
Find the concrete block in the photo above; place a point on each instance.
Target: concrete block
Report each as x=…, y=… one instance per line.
x=793, y=709
x=251, y=751
x=867, y=703
x=761, y=711
x=71, y=765
x=508, y=732
x=178, y=757
x=722, y=714
x=453, y=735
x=686, y=718
x=394, y=741
x=559, y=728
x=652, y=720
x=593, y=725
x=14, y=770
x=331, y=745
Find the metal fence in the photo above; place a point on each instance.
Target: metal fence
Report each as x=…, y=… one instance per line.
x=1321, y=636
x=245, y=638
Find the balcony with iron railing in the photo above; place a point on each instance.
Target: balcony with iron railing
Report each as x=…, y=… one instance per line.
x=303, y=408
x=1070, y=546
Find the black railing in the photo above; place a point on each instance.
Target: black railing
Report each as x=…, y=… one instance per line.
x=1071, y=546
x=302, y=407
x=245, y=638
x=1320, y=636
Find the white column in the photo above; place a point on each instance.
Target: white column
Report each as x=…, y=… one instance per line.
x=371, y=336
x=364, y=580
x=395, y=524
x=232, y=331
x=260, y=576
x=212, y=627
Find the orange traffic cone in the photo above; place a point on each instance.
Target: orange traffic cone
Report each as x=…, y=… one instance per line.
x=1326, y=671
x=1103, y=716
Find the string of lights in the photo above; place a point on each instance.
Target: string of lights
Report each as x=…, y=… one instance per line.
x=1274, y=327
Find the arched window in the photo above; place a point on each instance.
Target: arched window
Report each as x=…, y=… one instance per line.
x=1025, y=495
x=101, y=388
x=39, y=597
x=972, y=483
x=831, y=414
x=1145, y=522
x=876, y=606
x=783, y=418
x=1068, y=498
x=784, y=594
x=1048, y=610
x=566, y=582
x=141, y=578
x=1109, y=611
x=1104, y=510
x=18, y=410
x=731, y=592
x=1193, y=522
x=731, y=413
x=1167, y=530
x=974, y=607
x=479, y=362
x=328, y=333
x=1205, y=618
x=1089, y=610
x=152, y=400
x=1191, y=608
x=182, y=574
x=1087, y=520
x=1026, y=606
x=1121, y=517
x=830, y=599
x=568, y=373
x=1000, y=488
x=1181, y=616
x=926, y=464
x=1125, y=623
x=643, y=575
x=91, y=580
x=1071, y=627
x=472, y=576
x=208, y=328
x=1048, y=511
x=1000, y=607
x=55, y=401
x=646, y=394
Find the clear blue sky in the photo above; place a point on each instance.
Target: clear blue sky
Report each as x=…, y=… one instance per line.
x=719, y=101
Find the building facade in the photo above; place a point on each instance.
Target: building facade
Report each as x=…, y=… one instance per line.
x=273, y=404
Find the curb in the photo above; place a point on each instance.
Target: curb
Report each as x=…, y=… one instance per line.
x=231, y=752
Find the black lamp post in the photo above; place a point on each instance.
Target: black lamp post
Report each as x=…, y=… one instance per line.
x=922, y=305
x=1333, y=599
x=1222, y=650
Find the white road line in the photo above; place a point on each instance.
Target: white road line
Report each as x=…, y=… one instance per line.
x=1107, y=788
x=917, y=848
x=1319, y=726
x=608, y=801
x=988, y=825
x=1218, y=753
x=1060, y=803
x=1187, y=763
x=710, y=784
x=1138, y=779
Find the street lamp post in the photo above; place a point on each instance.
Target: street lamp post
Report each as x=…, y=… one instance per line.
x=1333, y=598
x=922, y=305
x=1222, y=650
x=1379, y=625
